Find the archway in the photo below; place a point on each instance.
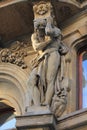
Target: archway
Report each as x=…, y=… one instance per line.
x=13, y=87
x=79, y=47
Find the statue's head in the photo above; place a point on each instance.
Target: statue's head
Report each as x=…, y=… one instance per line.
x=39, y=24
x=43, y=17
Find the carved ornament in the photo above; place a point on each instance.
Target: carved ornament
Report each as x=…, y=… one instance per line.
x=42, y=9
x=15, y=54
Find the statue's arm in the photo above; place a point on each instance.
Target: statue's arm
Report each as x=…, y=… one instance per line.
x=40, y=45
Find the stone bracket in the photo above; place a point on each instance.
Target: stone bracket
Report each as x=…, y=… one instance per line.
x=36, y=121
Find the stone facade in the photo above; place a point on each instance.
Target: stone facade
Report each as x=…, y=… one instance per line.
x=16, y=54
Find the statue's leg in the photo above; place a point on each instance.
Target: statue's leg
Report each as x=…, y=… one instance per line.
x=52, y=70
x=36, y=96
x=34, y=93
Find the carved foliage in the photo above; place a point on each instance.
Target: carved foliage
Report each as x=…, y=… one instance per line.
x=15, y=54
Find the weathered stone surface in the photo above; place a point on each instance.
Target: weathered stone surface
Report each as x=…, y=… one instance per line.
x=15, y=24
x=16, y=19
x=74, y=121
x=36, y=121
x=37, y=110
x=47, y=83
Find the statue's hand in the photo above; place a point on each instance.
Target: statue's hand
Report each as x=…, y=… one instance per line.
x=48, y=39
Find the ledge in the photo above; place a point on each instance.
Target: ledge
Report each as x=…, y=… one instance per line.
x=36, y=121
x=74, y=120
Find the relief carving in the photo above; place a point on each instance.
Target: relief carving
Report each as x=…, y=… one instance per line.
x=42, y=9
x=15, y=54
x=48, y=84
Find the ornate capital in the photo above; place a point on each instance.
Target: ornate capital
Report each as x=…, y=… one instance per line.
x=42, y=9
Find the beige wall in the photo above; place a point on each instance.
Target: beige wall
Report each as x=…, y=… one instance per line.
x=14, y=80
x=14, y=83
x=74, y=32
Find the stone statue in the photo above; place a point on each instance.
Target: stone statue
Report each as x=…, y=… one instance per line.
x=46, y=80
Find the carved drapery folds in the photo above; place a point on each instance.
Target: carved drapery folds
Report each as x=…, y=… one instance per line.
x=15, y=54
x=48, y=82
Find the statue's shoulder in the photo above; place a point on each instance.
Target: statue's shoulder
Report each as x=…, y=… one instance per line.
x=33, y=36
x=57, y=31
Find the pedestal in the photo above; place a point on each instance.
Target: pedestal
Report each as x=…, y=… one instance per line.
x=38, y=118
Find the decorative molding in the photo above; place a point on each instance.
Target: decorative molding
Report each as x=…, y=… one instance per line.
x=15, y=54
x=36, y=121
x=13, y=76
x=42, y=9
x=73, y=120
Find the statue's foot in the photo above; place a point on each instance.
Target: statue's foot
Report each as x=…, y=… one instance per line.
x=44, y=104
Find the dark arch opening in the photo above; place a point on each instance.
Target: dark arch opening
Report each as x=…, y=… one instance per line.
x=7, y=116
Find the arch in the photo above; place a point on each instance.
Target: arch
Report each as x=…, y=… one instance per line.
x=12, y=102
x=13, y=86
x=79, y=43
x=71, y=2
x=78, y=47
